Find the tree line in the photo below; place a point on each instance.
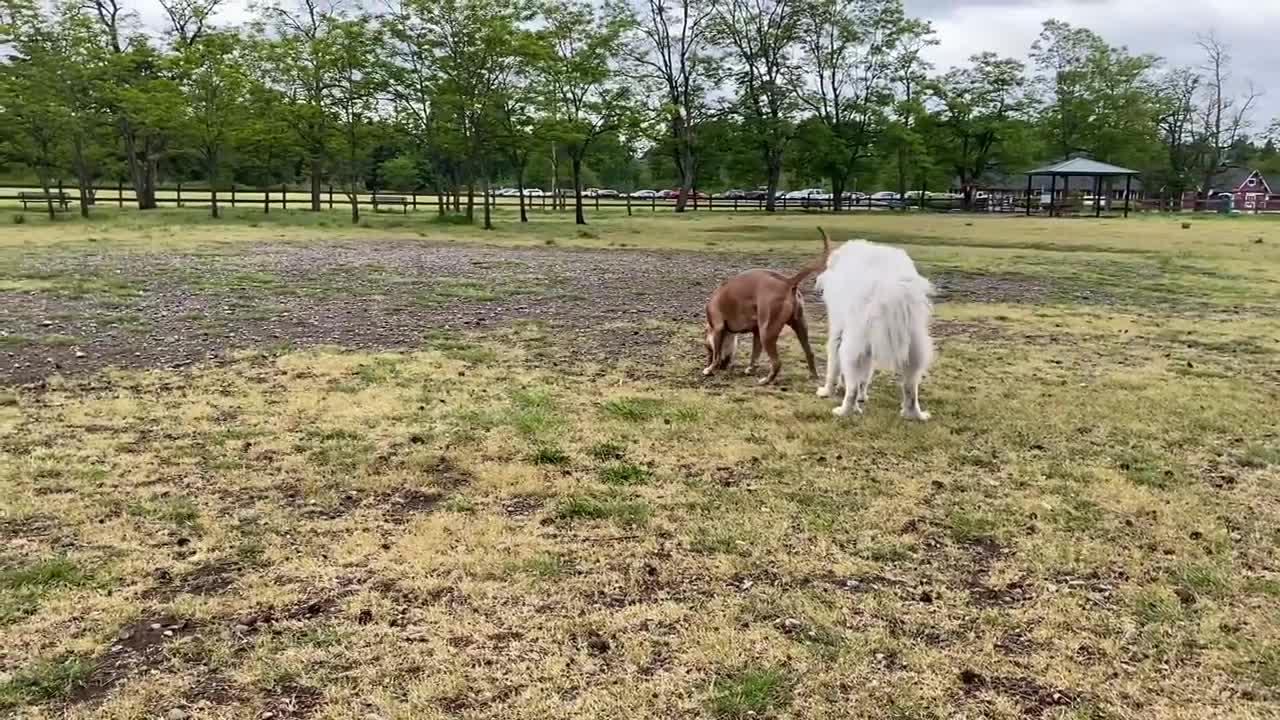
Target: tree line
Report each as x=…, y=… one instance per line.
x=452, y=96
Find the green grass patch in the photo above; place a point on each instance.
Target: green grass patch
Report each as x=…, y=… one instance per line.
x=636, y=409
x=549, y=455
x=24, y=586
x=624, y=473
x=607, y=450
x=627, y=512
x=45, y=682
x=1258, y=455
x=750, y=694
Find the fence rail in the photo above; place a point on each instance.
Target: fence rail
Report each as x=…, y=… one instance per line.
x=284, y=198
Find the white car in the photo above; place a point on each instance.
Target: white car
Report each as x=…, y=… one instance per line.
x=533, y=192
x=884, y=195
x=506, y=192
x=645, y=194
x=804, y=193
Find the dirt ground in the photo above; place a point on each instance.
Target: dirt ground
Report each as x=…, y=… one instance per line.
x=179, y=309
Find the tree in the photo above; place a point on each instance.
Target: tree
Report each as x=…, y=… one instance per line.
x=348, y=49
x=1176, y=118
x=587, y=96
x=1223, y=117
x=215, y=85
x=32, y=108
x=298, y=64
x=851, y=49
x=982, y=113
x=760, y=36
x=673, y=52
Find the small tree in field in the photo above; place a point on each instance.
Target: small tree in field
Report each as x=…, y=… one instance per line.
x=586, y=95
x=351, y=48
x=215, y=83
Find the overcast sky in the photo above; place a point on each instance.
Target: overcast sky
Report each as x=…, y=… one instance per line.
x=1167, y=28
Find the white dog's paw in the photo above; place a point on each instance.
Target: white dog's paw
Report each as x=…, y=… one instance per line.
x=706, y=371
x=922, y=416
x=842, y=411
x=824, y=391
x=751, y=370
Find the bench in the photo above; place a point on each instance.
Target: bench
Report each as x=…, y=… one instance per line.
x=400, y=200
x=40, y=197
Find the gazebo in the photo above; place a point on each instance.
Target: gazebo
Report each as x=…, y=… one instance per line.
x=1081, y=167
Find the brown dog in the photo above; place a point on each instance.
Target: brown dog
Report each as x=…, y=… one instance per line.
x=760, y=302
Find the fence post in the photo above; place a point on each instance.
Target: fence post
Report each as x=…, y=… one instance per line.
x=179, y=194
x=695, y=199
x=628, y=204
x=284, y=197
x=735, y=204
x=653, y=202
x=415, y=201
x=120, y=192
x=331, y=197
x=266, y=201
x=233, y=195
x=597, y=202
x=711, y=203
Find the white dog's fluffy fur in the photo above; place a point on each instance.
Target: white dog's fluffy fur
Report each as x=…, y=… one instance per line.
x=878, y=311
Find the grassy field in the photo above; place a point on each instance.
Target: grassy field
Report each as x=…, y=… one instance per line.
x=286, y=468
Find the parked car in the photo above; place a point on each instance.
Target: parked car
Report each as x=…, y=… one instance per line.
x=506, y=192
x=533, y=192
x=884, y=195
x=644, y=194
x=759, y=194
x=674, y=193
x=732, y=195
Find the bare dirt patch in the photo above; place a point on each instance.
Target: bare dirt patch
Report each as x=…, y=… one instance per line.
x=600, y=304
x=138, y=648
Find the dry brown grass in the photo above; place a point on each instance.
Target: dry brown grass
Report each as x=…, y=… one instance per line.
x=1086, y=530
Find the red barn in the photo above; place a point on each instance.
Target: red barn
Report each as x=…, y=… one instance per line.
x=1250, y=189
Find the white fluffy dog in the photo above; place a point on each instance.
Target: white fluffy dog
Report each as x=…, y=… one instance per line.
x=878, y=311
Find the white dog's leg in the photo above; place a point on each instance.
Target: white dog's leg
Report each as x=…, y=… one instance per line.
x=865, y=387
x=854, y=365
x=833, y=363
x=911, y=395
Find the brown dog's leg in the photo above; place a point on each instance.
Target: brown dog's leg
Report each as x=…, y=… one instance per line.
x=717, y=343
x=755, y=351
x=771, y=349
x=802, y=333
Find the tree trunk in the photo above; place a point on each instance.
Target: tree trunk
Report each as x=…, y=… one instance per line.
x=150, y=174
x=212, y=172
x=471, y=200
x=524, y=217
x=137, y=171
x=684, y=157
x=84, y=183
x=315, y=184
x=902, y=172
x=555, y=178
x=484, y=187
x=355, y=203
x=441, y=194
x=43, y=176
x=774, y=167
x=837, y=192
x=578, y=218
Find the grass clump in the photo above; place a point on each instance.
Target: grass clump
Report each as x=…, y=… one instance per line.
x=45, y=682
x=607, y=450
x=624, y=473
x=635, y=409
x=549, y=455
x=627, y=512
x=750, y=694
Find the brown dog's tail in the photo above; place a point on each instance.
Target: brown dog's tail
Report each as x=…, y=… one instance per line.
x=814, y=267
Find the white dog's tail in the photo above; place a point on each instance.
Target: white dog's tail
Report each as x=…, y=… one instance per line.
x=898, y=328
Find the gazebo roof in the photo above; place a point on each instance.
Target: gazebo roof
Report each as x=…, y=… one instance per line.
x=1076, y=167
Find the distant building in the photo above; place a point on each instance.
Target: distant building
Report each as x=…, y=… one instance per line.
x=1249, y=189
